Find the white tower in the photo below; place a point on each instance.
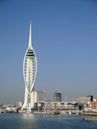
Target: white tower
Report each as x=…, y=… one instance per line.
x=29, y=73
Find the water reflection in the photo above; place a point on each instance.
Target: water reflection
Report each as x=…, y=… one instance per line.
x=28, y=121
x=93, y=118
x=28, y=116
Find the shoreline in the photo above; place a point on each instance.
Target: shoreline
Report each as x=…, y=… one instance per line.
x=51, y=113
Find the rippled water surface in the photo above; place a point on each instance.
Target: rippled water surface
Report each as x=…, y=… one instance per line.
x=30, y=121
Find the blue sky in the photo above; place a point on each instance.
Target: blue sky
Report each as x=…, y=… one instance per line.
x=65, y=41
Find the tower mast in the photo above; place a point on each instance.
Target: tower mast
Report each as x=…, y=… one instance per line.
x=30, y=37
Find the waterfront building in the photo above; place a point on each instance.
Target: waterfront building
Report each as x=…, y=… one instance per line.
x=94, y=104
x=39, y=99
x=29, y=73
x=59, y=106
x=84, y=99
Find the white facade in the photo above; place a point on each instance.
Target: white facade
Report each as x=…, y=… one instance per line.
x=29, y=73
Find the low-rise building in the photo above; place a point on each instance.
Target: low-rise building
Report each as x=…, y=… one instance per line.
x=58, y=106
x=94, y=104
x=84, y=99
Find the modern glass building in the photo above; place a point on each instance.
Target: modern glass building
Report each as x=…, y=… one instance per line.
x=57, y=97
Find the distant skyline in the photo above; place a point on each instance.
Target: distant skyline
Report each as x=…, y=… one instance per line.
x=64, y=37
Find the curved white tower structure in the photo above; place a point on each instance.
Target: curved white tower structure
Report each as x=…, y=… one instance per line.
x=29, y=73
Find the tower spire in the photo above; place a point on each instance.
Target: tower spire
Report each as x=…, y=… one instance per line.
x=30, y=37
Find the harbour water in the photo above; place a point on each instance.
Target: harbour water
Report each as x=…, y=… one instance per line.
x=30, y=121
